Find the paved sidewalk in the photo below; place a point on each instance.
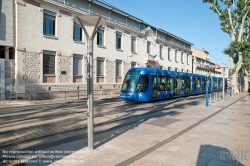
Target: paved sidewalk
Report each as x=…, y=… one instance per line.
x=223, y=139
x=182, y=133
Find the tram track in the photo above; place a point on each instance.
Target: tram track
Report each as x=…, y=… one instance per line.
x=123, y=119
x=4, y=120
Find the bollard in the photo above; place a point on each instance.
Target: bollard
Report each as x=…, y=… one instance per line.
x=111, y=93
x=65, y=95
x=101, y=93
x=210, y=100
x=49, y=96
x=214, y=97
x=78, y=94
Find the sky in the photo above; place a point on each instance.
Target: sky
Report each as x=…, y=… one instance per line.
x=191, y=20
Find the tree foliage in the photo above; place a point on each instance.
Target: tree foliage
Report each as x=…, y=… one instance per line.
x=243, y=47
x=235, y=20
x=234, y=16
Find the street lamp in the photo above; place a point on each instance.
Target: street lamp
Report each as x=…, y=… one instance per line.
x=90, y=24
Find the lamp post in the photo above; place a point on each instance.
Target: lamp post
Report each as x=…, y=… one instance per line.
x=90, y=24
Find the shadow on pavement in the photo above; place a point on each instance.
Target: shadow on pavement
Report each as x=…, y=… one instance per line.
x=215, y=155
x=68, y=132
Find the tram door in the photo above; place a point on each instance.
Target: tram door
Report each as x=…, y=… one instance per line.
x=154, y=86
x=176, y=89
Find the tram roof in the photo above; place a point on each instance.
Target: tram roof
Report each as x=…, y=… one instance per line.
x=146, y=70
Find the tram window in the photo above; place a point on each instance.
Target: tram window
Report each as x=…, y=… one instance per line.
x=187, y=80
x=169, y=83
x=197, y=83
x=129, y=82
x=154, y=83
x=182, y=83
x=161, y=83
x=215, y=83
x=220, y=83
x=203, y=83
x=142, y=83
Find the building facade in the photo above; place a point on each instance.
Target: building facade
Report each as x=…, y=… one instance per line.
x=202, y=64
x=50, y=49
x=7, y=50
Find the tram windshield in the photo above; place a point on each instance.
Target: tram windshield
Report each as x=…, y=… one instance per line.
x=130, y=81
x=142, y=85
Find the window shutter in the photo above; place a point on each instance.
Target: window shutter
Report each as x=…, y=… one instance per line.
x=100, y=67
x=77, y=65
x=48, y=62
x=118, y=69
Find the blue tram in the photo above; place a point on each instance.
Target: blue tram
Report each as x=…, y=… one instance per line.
x=149, y=84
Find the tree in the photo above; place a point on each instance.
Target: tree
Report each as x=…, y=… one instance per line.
x=235, y=20
x=243, y=47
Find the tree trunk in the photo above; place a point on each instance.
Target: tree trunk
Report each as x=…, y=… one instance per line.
x=232, y=65
x=234, y=81
x=246, y=82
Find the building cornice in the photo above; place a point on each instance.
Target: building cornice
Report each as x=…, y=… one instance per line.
x=62, y=6
x=116, y=10
x=172, y=44
x=176, y=37
x=124, y=27
x=149, y=30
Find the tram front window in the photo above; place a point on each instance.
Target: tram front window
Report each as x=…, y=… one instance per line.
x=130, y=81
x=143, y=82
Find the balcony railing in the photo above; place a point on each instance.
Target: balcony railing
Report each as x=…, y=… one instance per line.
x=205, y=67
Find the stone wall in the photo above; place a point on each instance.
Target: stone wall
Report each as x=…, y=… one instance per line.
x=110, y=71
x=71, y=87
x=64, y=64
x=31, y=67
x=125, y=69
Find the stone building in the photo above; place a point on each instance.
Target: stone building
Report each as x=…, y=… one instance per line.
x=202, y=64
x=50, y=49
x=7, y=50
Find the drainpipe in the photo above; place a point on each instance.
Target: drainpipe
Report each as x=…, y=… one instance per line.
x=16, y=45
x=0, y=11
